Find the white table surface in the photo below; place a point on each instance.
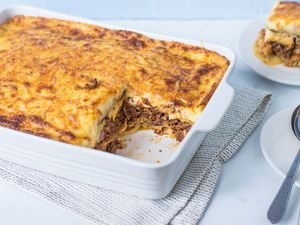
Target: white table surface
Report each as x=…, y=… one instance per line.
x=247, y=184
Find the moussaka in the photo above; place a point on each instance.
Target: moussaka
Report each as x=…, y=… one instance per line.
x=88, y=85
x=279, y=42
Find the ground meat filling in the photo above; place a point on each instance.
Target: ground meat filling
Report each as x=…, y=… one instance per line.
x=115, y=145
x=289, y=55
x=133, y=117
x=138, y=114
x=150, y=117
x=281, y=50
x=179, y=128
x=108, y=139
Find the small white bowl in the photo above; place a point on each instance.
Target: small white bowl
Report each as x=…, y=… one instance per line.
x=278, y=73
x=278, y=142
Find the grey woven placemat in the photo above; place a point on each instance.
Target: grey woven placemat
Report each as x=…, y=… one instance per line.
x=188, y=200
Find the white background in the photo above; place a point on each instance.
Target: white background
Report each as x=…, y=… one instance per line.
x=153, y=9
x=247, y=184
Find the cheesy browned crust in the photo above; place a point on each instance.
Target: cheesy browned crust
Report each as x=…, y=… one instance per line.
x=279, y=42
x=285, y=17
x=62, y=80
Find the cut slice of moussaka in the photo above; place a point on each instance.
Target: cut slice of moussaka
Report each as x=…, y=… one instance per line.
x=279, y=41
x=88, y=85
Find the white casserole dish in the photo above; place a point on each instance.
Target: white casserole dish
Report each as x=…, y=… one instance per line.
x=143, y=177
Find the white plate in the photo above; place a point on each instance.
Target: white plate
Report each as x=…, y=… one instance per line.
x=278, y=73
x=278, y=142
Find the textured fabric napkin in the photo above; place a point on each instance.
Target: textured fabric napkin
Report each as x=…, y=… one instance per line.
x=188, y=200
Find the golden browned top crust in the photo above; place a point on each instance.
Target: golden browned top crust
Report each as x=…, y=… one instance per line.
x=285, y=17
x=59, y=78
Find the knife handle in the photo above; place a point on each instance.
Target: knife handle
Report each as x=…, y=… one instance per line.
x=279, y=203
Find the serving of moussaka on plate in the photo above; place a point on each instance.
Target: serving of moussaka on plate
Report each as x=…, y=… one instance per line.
x=279, y=42
x=87, y=85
